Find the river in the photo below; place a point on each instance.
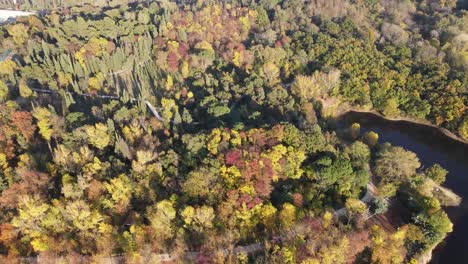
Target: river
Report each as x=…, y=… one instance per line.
x=6, y=14
x=431, y=146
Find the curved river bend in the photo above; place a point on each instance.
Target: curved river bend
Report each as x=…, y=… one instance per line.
x=431, y=146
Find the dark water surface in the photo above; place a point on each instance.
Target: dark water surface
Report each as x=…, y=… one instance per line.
x=431, y=146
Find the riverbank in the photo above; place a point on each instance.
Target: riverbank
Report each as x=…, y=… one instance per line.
x=411, y=120
x=431, y=146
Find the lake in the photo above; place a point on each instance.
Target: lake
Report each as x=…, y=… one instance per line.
x=431, y=146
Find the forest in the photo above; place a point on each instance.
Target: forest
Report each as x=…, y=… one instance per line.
x=134, y=129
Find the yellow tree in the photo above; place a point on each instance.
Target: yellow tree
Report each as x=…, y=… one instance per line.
x=43, y=116
x=355, y=130
x=7, y=67
x=304, y=87
x=334, y=253
x=98, y=135
x=287, y=215
x=24, y=89
x=95, y=82
x=64, y=79
x=120, y=190
x=327, y=219
x=463, y=129
x=354, y=207
x=271, y=73
x=29, y=221
x=268, y=215
x=391, y=108
x=80, y=219
x=161, y=216
x=185, y=69
x=294, y=159
x=19, y=32
x=198, y=219
x=3, y=91
x=371, y=138
x=387, y=248
x=143, y=160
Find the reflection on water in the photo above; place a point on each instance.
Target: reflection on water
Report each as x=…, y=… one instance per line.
x=431, y=146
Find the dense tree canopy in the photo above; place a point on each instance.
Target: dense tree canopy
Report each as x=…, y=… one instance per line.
x=173, y=126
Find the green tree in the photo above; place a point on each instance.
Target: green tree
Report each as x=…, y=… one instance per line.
x=262, y=17
x=336, y=172
x=314, y=140
x=391, y=108
x=380, y=206
x=359, y=153
x=395, y=164
x=293, y=136
x=447, y=108
x=143, y=17
x=435, y=227
x=218, y=110
x=437, y=173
